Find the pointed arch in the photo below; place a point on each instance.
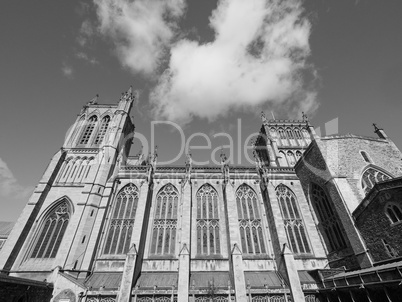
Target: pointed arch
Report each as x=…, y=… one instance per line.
x=283, y=138
x=52, y=229
x=250, y=224
x=165, y=221
x=329, y=224
x=208, y=237
x=121, y=223
x=297, y=133
x=293, y=222
x=372, y=175
x=289, y=133
x=102, y=130
x=394, y=212
x=283, y=162
x=87, y=133
x=291, y=158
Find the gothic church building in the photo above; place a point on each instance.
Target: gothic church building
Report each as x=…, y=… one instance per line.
x=316, y=219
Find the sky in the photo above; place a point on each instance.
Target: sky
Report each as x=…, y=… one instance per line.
x=207, y=66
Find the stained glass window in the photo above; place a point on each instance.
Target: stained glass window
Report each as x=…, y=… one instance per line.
x=52, y=232
x=165, y=221
x=328, y=221
x=294, y=226
x=250, y=225
x=208, y=239
x=122, y=221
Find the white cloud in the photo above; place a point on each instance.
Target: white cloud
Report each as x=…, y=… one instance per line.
x=259, y=50
x=141, y=30
x=257, y=58
x=9, y=186
x=67, y=70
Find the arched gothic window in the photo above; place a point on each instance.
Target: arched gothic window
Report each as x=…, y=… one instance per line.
x=86, y=134
x=52, y=231
x=102, y=130
x=293, y=221
x=298, y=155
x=328, y=220
x=297, y=133
x=289, y=132
x=252, y=239
x=208, y=239
x=273, y=132
x=371, y=176
x=122, y=221
x=165, y=221
x=282, y=133
x=394, y=212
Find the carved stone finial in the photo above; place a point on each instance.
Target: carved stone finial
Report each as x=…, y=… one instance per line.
x=263, y=117
x=223, y=156
x=94, y=100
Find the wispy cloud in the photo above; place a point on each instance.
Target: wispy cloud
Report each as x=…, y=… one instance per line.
x=67, y=70
x=9, y=186
x=141, y=30
x=83, y=56
x=86, y=33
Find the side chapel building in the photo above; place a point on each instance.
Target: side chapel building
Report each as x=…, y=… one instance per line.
x=317, y=219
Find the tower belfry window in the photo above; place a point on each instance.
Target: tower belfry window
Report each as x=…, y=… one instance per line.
x=52, y=232
x=86, y=135
x=102, y=130
x=208, y=239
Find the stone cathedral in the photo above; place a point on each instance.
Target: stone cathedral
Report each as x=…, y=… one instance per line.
x=316, y=219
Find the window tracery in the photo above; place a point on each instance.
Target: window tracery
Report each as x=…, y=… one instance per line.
x=208, y=238
x=122, y=221
x=165, y=221
x=102, y=130
x=52, y=232
x=87, y=133
x=394, y=212
x=372, y=176
x=297, y=133
x=294, y=226
x=329, y=222
x=250, y=223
